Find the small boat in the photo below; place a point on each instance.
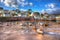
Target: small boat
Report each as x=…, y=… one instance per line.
x=39, y=31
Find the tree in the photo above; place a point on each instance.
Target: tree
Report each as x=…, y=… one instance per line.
x=36, y=14
x=14, y=14
x=41, y=15
x=18, y=11
x=29, y=11
x=46, y=15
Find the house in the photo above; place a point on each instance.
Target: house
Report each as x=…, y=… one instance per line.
x=45, y=15
x=23, y=14
x=58, y=19
x=36, y=15
x=52, y=17
x=1, y=12
x=7, y=13
x=13, y=13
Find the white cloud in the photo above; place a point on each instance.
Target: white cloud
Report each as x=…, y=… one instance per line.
x=43, y=11
x=52, y=8
x=52, y=11
x=23, y=0
x=22, y=9
x=16, y=3
x=51, y=5
x=6, y=3
x=1, y=0
x=11, y=3
x=24, y=4
x=30, y=3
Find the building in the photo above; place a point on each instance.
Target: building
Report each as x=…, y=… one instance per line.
x=36, y=15
x=58, y=19
x=23, y=14
x=1, y=12
x=7, y=13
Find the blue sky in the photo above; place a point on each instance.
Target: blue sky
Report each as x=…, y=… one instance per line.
x=35, y=5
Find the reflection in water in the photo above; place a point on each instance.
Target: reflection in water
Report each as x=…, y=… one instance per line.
x=18, y=31
x=28, y=36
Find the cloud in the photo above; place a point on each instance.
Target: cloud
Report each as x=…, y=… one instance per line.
x=1, y=0
x=10, y=3
x=52, y=11
x=24, y=4
x=16, y=3
x=23, y=0
x=22, y=9
x=52, y=8
x=30, y=4
x=51, y=5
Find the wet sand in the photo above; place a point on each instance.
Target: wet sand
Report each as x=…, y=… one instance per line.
x=14, y=31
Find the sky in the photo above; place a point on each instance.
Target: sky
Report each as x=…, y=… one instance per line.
x=50, y=6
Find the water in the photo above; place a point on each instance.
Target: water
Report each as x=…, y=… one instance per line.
x=15, y=31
